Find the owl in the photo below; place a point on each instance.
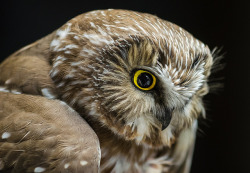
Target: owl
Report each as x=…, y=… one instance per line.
x=110, y=91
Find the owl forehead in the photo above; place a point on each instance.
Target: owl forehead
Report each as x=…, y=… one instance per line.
x=106, y=26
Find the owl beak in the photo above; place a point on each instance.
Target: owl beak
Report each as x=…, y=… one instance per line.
x=165, y=119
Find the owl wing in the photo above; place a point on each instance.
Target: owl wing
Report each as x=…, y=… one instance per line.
x=38, y=134
x=42, y=135
x=27, y=71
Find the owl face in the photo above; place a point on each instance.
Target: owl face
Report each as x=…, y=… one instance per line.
x=134, y=74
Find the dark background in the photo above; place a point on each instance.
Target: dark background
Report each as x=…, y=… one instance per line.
x=224, y=144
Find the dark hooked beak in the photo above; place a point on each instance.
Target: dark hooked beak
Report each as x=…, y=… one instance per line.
x=165, y=119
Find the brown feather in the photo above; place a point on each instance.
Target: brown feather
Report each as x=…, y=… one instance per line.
x=45, y=134
x=88, y=64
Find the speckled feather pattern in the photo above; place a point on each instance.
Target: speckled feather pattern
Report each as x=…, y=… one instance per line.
x=88, y=62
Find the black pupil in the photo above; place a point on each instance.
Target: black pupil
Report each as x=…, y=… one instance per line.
x=145, y=80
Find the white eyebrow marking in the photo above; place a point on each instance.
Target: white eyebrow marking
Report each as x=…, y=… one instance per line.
x=6, y=135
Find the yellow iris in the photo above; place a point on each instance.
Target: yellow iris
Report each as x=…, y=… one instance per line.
x=144, y=80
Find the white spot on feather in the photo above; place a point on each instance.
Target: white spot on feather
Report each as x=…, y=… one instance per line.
x=66, y=165
x=60, y=58
x=39, y=169
x=97, y=40
x=84, y=100
x=7, y=82
x=83, y=162
x=61, y=84
x=63, y=33
x=47, y=93
x=57, y=63
x=76, y=37
x=92, y=25
x=93, y=110
x=3, y=89
x=15, y=91
x=6, y=135
x=87, y=52
x=76, y=63
x=71, y=46
x=54, y=72
x=55, y=43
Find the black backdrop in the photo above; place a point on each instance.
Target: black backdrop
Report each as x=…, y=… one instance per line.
x=224, y=144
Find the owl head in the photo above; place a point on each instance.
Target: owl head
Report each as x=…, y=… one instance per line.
x=138, y=76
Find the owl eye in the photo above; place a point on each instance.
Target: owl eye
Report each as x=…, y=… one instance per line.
x=144, y=80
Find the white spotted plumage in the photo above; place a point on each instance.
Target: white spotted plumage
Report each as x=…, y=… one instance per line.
x=91, y=62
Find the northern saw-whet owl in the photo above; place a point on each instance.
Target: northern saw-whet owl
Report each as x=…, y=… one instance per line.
x=110, y=91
